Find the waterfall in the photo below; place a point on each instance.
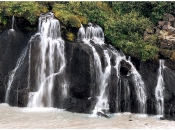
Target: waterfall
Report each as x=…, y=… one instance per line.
x=102, y=102
x=47, y=81
x=159, y=90
x=96, y=35
x=94, y=31
x=81, y=33
x=140, y=88
x=118, y=58
x=13, y=22
x=12, y=74
x=51, y=62
x=91, y=32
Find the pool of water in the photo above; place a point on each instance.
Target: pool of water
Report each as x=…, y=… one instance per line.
x=14, y=117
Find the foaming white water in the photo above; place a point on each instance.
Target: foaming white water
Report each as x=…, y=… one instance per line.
x=159, y=90
x=51, y=61
x=40, y=110
x=13, y=72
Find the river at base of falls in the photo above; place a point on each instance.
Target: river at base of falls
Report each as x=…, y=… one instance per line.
x=40, y=118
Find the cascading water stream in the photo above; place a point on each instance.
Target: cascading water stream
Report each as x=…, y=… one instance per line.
x=51, y=57
x=95, y=34
x=102, y=101
x=13, y=72
x=139, y=87
x=13, y=22
x=159, y=90
x=118, y=59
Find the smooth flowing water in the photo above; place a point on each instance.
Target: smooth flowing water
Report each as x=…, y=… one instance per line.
x=13, y=23
x=139, y=87
x=40, y=118
x=13, y=72
x=159, y=89
x=94, y=33
x=51, y=61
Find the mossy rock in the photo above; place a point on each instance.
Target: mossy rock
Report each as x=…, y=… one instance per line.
x=166, y=53
x=173, y=55
x=70, y=36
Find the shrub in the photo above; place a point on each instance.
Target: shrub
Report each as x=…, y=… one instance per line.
x=73, y=21
x=149, y=52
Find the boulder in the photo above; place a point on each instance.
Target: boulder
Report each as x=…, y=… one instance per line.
x=173, y=25
x=165, y=45
x=167, y=23
x=125, y=68
x=173, y=11
x=168, y=17
x=2, y=92
x=12, y=44
x=80, y=71
x=165, y=27
x=79, y=105
x=161, y=23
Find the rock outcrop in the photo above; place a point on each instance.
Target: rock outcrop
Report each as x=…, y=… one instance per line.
x=165, y=30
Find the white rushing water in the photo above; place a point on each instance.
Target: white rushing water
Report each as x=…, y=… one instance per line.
x=12, y=74
x=51, y=61
x=140, y=88
x=159, y=90
x=102, y=101
x=118, y=59
x=13, y=23
x=52, y=118
x=95, y=34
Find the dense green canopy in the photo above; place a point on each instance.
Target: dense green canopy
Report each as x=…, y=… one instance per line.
x=123, y=22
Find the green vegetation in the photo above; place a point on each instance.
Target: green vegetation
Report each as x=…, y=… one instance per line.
x=70, y=36
x=123, y=22
x=28, y=10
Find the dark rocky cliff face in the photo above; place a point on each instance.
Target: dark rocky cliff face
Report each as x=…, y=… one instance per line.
x=81, y=76
x=11, y=45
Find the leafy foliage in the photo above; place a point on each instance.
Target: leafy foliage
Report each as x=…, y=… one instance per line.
x=28, y=10
x=123, y=22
